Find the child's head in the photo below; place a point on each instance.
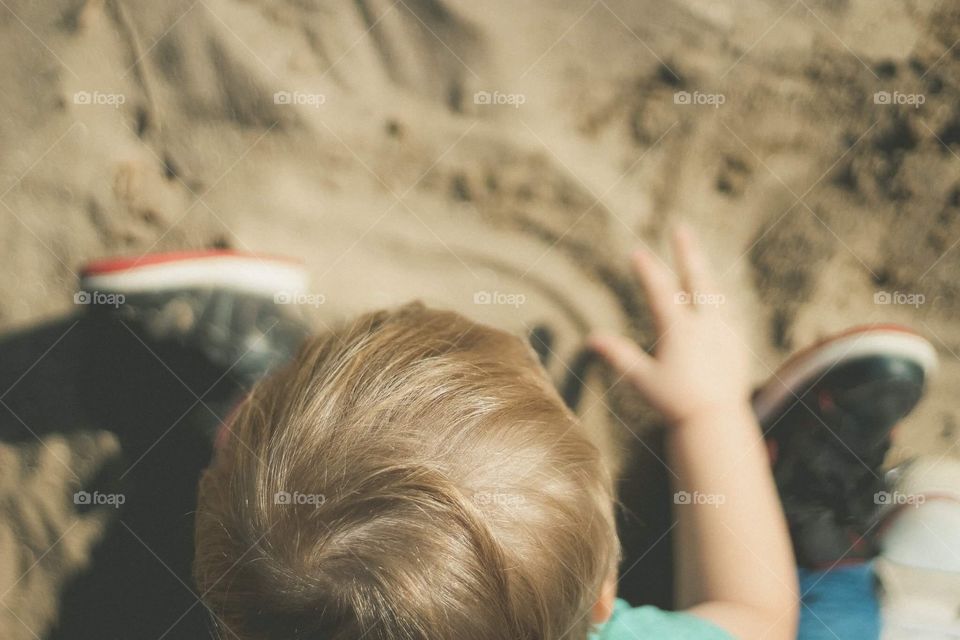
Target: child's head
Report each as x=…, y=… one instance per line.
x=412, y=476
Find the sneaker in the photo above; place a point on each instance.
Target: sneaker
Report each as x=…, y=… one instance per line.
x=828, y=414
x=232, y=307
x=919, y=564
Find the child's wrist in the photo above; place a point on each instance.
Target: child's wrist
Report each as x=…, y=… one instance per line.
x=709, y=414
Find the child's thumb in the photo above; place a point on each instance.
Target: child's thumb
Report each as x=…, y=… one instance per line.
x=625, y=356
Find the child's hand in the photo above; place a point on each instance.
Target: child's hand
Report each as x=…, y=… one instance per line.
x=742, y=576
x=699, y=366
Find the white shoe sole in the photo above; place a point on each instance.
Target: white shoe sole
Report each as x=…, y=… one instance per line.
x=241, y=272
x=808, y=366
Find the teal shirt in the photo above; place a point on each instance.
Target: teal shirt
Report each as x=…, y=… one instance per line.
x=650, y=623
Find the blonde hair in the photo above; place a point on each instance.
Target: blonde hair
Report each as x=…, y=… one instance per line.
x=413, y=475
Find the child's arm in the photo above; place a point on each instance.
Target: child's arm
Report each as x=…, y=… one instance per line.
x=736, y=538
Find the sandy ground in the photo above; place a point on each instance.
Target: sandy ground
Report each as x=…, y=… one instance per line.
x=499, y=158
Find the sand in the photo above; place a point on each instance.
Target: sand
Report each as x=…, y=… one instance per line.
x=465, y=153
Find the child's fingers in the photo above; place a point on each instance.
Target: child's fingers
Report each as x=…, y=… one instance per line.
x=694, y=271
x=660, y=285
x=625, y=356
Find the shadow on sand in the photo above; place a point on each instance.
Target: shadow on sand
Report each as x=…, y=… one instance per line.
x=74, y=375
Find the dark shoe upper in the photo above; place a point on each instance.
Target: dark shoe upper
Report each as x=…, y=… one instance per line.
x=246, y=335
x=188, y=326
x=829, y=445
